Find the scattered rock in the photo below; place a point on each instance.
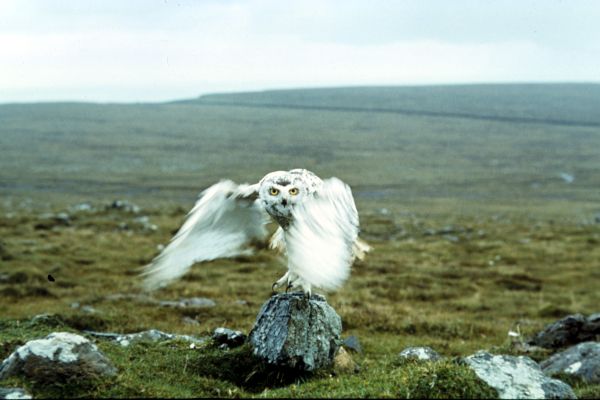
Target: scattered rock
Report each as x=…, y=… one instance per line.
x=352, y=343
x=50, y=221
x=517, y=377
x=138, y=298
x=14, y=393
x=144, y=223
x=568, y=331
x=343, y=363
x=568, y=178
x=420, y=354
x=82, y=207
x=58, y=356
x=228, y=338
x=295, y=331
x=84, y=308
x=193, y=302
x=190, y=321
x=124, y=205
x=582, y=360
x=152, y=335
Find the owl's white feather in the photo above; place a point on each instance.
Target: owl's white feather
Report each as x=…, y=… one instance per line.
x=318, y=229
x=321, y=236
x=224, y=220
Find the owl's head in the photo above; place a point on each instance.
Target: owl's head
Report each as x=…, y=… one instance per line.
x=280, y=191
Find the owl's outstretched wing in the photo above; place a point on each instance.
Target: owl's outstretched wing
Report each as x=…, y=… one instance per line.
x=224, y=220
x=321, y=238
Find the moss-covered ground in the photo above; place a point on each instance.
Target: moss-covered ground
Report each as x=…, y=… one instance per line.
x=457, y=284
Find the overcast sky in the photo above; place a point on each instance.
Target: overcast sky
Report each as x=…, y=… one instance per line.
x=154, y=50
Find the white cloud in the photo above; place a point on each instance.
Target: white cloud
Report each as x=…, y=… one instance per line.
x=167, y=51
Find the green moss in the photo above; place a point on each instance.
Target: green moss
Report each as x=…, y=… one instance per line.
x=441, y=379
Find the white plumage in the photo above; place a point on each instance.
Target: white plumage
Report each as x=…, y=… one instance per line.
x=318, y=229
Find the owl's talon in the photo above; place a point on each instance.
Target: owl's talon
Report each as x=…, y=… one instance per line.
x=288, y=287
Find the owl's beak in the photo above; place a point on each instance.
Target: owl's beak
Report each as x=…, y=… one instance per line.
x=284, y=202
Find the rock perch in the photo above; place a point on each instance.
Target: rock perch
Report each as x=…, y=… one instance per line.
x=294, y=331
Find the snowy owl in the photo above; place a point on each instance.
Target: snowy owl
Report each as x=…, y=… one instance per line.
x=318, y=229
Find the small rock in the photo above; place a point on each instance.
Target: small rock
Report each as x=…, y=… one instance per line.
x=14, y=393
x=343, y=363
x=123, y=205
x=420, y=353
x=82, y=207
x=151, y=335
x=190, y=321
x=49, y=221
x=568, y=331
x=517, y=377
x=144, y=222
x=138, y=298
x=452, y=238
x=228, y=338
x=568, y=178
x=58, y=355
x=352, y=343
x=297, y=332
x=582, y=360
x=194, y=302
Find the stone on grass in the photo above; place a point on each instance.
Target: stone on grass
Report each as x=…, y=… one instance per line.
x=295, y=331
x=58, y=355
x=194, y=302
x=228, y=338
x=352, y=343
x=151, y=335
x=568, y=331
x=14, y=393
x=420, y=354
x=343, y=363
x=517, y=377
x=582, y=360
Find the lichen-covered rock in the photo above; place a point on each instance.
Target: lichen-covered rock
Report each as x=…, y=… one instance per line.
x=582, y=360
x=517, y=377
x=570, y=330
x=14, y=393
x=420, y=354
x=297, y=332
x=55, y=357
x=228, y=338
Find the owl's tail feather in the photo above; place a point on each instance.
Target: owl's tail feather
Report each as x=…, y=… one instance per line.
x=359, y=249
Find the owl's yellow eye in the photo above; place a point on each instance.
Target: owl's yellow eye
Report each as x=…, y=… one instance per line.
x=293, y=191
x=273, y=191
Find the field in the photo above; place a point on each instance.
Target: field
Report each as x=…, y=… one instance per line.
x=481, y=203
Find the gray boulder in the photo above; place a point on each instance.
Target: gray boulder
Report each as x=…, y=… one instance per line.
x=517, y=377
x=58, y=355
x=294, y=331
x=14, y=393
x=420, y=354
x=568, y=331
x=582, y=360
